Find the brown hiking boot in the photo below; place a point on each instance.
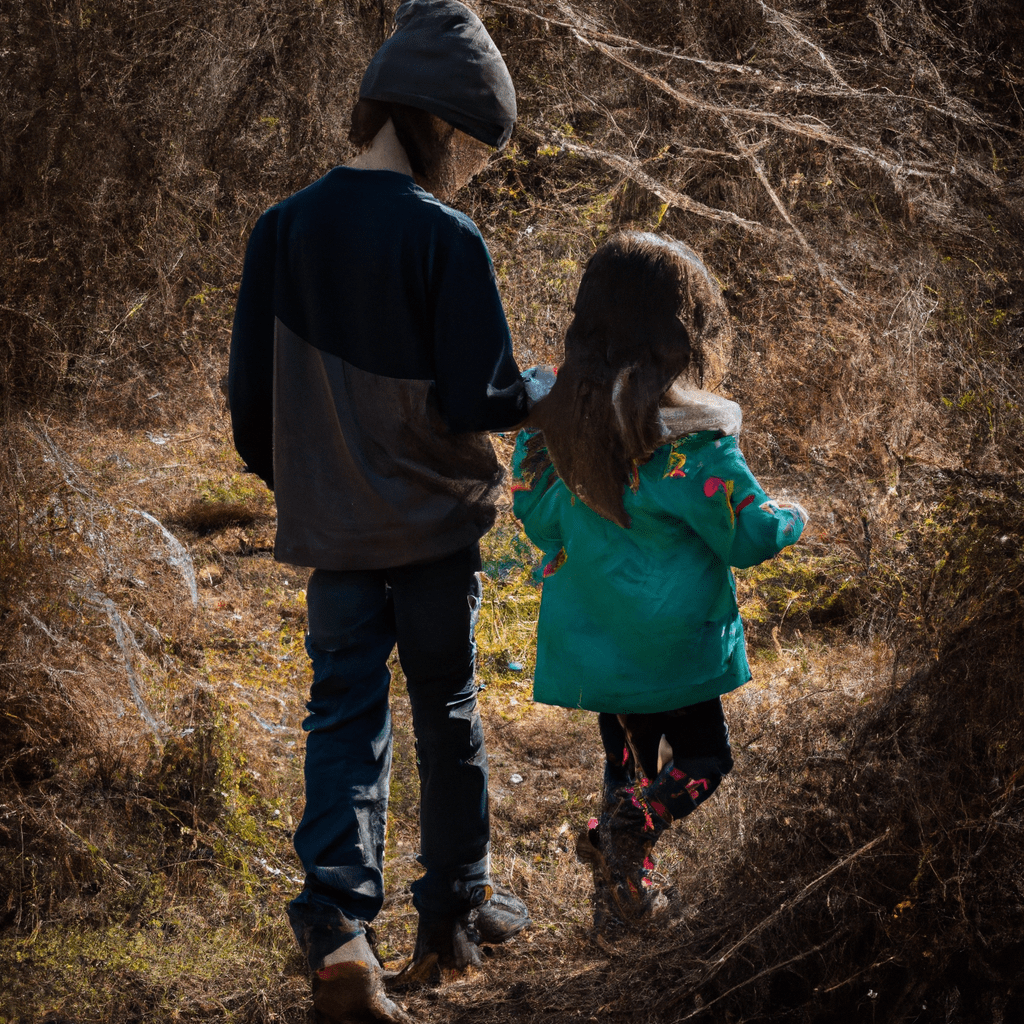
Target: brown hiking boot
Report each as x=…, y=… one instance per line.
x=349, y=988
x=445, y=947
x=619, y=852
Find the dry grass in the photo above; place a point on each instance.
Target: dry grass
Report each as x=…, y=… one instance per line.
x=851, y=173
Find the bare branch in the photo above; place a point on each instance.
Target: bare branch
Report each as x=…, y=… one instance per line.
x=802, y=955
x=633, y=170
x=129, y=652
x=792, y=902
x=787, y=25
x=632, y=44
x=751, y=155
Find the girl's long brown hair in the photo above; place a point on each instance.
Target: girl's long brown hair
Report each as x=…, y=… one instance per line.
x=646, y=312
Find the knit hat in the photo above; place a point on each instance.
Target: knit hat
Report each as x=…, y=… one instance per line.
x=441, y=59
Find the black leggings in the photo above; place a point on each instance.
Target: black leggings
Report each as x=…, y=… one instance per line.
x=698, y=759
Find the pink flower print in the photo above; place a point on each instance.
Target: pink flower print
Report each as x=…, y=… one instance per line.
x=592, y=823
x=658, y=807
x=677, y=774
x=744, y=503
x=555, y=564
x=693, y=788
x=713, y=485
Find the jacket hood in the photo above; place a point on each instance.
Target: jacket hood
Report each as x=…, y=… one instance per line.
x=688, y=410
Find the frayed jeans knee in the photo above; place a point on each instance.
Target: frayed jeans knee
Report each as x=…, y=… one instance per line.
x=356, y=618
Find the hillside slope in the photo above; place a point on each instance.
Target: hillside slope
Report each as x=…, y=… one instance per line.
x=851, y=172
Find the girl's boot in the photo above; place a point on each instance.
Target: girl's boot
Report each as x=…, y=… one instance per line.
x=619, y=848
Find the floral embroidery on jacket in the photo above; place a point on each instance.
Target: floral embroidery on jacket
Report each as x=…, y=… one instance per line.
x=676, y=464
x=713, y=485
x=555, y=564
x=744, y=503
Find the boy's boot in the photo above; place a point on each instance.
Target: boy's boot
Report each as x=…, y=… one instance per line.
x=499, y=918
x=350, y=987
x=448, y=944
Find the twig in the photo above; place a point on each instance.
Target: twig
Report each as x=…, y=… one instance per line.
x=786, y=24
x=625, y=41
x=177, y=555
x=790, y=904
x=129, y=647
x=34, y=318
x=633, y=170
x=751, y=155
x=83, y=843
x=749, y=981
x=769, y=84
x=785, y=124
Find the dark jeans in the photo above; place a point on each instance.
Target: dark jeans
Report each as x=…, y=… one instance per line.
x=355, y=620
x=700, y=754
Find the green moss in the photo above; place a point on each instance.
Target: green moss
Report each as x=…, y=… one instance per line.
x=798, y=588
x=116, y=973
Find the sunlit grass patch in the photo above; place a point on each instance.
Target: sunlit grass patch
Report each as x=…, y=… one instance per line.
x=173, y=966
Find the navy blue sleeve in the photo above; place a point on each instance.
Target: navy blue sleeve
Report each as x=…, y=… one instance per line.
x=251, y=365
x=477, y=379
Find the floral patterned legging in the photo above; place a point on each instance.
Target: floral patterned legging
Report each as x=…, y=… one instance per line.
x=677, y=758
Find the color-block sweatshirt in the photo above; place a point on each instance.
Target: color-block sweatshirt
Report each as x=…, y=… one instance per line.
x=369, y=354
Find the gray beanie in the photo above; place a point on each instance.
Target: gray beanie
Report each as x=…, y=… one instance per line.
x=441, y=59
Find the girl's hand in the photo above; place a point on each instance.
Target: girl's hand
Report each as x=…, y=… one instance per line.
x=790, y=506
x=538, y=380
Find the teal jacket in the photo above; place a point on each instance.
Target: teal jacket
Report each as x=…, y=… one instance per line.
x=644, y=620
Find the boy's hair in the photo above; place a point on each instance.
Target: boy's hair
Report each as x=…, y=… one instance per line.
x=436, y=150
x=647, y=314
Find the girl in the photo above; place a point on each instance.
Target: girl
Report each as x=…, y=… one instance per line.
x=635, y=488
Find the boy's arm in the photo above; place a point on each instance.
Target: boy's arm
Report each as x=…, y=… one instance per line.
x=251, y=365
x=478, y=382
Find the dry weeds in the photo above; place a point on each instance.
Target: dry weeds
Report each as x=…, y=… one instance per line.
x=851, y=173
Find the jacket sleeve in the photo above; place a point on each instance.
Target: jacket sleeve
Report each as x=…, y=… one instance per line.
x=713, y=491
x=534, y=499
x=477, y=379
x=251, y=365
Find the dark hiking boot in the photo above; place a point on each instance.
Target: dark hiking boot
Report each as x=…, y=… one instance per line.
x=349, y=988
x=500, y=918
x=619, y=852
x=445, y=947
x=617, y=778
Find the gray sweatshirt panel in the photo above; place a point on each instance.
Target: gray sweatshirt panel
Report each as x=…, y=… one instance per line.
x=367, y=475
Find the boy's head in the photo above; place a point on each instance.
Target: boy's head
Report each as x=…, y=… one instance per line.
x=442, y=82
x=647, y=314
